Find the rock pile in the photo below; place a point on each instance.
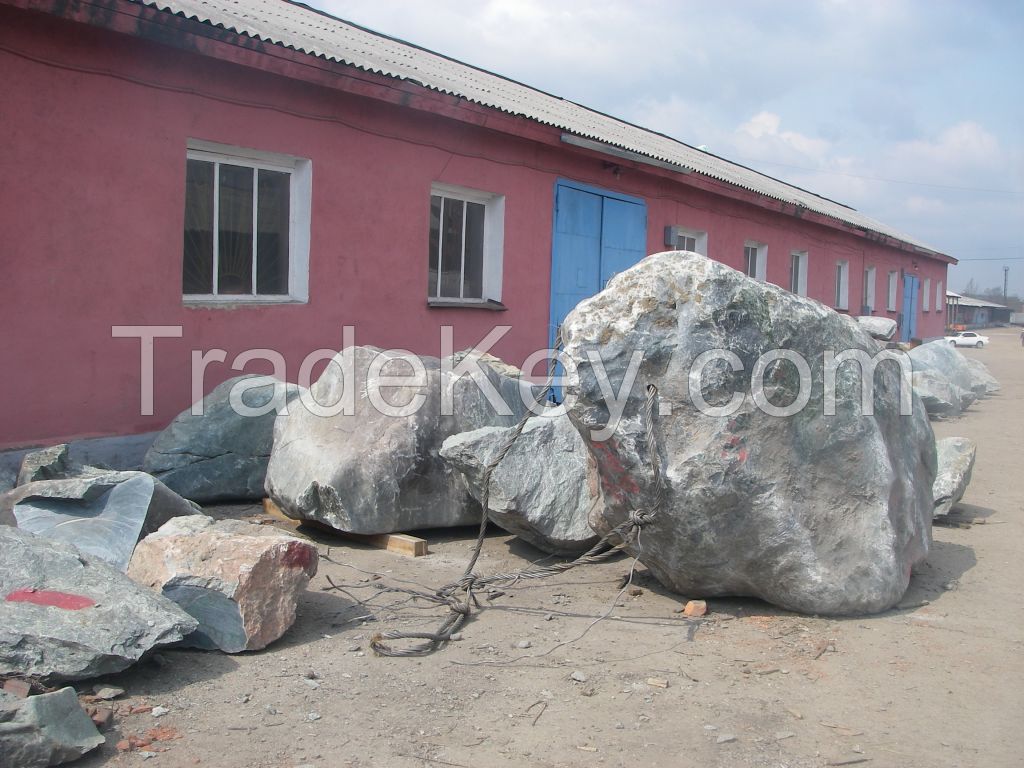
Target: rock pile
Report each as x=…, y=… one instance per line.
x=946, y=380
x=816, y=513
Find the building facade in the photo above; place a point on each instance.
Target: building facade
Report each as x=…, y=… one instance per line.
x=181, y=190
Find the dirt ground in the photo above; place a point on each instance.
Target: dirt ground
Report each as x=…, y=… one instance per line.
x=931, y=685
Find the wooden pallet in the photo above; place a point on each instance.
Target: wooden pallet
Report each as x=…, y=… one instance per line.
x=402, y=543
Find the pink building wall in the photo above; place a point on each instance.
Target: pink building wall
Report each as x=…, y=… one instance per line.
x=96, y=125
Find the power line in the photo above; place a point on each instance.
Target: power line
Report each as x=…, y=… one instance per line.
x=995, y=258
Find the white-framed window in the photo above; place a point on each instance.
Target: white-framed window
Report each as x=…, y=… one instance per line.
x=798, y=272
x=755, y=260
x=940, y=296
x=842, y=285
x=926, y=295
x=869, y=290
x=247, y=218
x=686, y=239
x=894, y=281
x=467, y=237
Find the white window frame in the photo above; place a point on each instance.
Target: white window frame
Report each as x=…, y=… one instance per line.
x=760, y=259
x=940, y=296
x=801, y=281
x=300, y=171
x=894, y=282
x=926, y=295
x=493, y=247
x=674, y=238
x=870, y=278
x=842, y=285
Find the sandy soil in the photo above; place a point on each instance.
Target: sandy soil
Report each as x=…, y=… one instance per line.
x=940, y=684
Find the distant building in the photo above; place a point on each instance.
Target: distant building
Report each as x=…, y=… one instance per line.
x=969, y=312
x=257, y=175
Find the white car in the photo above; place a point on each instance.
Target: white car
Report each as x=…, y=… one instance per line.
x=968, y=339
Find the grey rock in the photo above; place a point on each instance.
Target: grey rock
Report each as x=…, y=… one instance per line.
x=103, y=515
x=941, y=397
x=540, y=491
x=221, y=454
x=364, y=471
x=818, y=514
x=956, y=463
x=51, y=463
x=123, y=622
x=881, y=328
x=48, y=729
x=981, y=376
x=943, y=357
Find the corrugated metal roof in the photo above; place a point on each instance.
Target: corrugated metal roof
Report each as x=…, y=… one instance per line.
x=309, y=31
x=968, y=301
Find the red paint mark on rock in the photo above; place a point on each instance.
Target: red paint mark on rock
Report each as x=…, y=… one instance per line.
x=743, y=455
x=299, y=555
x=65, y=600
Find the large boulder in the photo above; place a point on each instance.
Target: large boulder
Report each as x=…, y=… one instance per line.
x=365, y=460
x=240, y=581
x=955, y=464
x=941, y=397
x=812, y=512
x=103, y=514
x=65, y=615
x=943, y=357
x=981, y=376
x=540, y=490
x=48, y=729
x=881, y=328
x=220, y=452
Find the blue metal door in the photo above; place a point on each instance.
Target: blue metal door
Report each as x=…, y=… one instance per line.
x=911, y=288
x=597, y=235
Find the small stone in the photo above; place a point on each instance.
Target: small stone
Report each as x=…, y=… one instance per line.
x=782, y=735
x=102, y=717
x=456, y=636
x=311, y=684
x=159, y=711
x=635, y=591
x=695, y=608
x=524, y=644
x=353, y=648
x=548, y=616
x=725, y=738
x=146, y=755
x=657, y=682
x=312, y=717
x=710, y=727
x=107, y=692
x=578, y=676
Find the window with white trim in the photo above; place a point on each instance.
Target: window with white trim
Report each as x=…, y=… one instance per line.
x=894, y=281
x=869, y=290
x=755, y=260
x=798, y=272
x=246, y=233
x=842, y=285
x=467, y=229
x=686, y=239
x=940, y=296
x=926, y=295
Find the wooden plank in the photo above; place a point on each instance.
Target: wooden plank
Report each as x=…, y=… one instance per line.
x=401, y=543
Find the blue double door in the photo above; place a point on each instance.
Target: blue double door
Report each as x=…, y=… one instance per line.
x=911, y=291
x=597, y=234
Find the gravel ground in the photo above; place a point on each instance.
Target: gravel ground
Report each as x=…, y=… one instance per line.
x=537, y=681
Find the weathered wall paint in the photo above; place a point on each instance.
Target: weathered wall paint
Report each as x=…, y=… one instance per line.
x=96, y=125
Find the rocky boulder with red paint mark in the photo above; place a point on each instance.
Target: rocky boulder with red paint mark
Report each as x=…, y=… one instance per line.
x=67, y=615
x=240, y=581
x=812, y=512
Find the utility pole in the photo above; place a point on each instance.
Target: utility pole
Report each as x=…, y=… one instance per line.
x=1006, y=280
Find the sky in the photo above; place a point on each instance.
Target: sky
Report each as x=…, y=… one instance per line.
x=911, y=111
